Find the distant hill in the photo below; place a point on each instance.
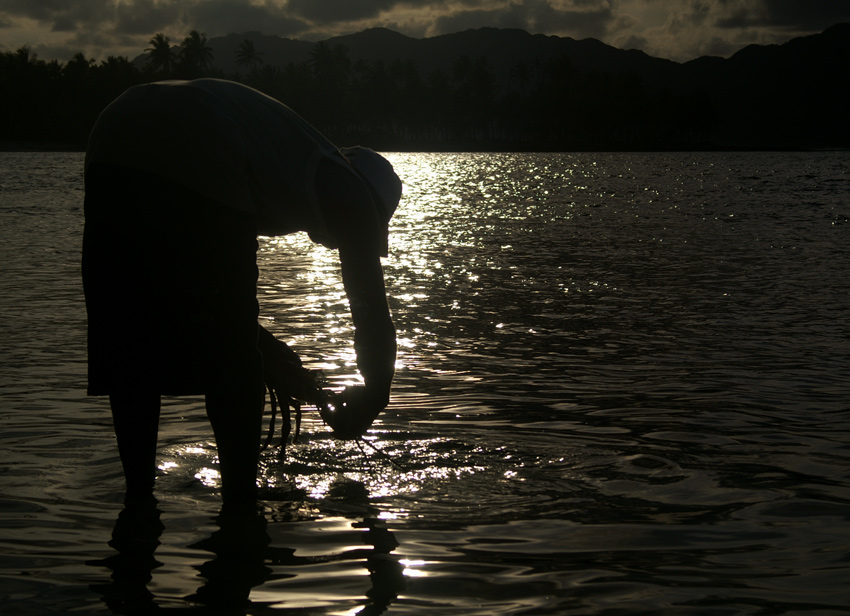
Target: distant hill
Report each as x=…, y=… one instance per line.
x=794, y=94
x=791, y=94
x=482, y=90
x=502, y=47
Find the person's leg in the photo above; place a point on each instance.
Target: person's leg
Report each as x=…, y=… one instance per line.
x=136, y=419
x=235, y=392
x=235, y=413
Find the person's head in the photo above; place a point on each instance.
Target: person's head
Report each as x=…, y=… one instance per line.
x=378, y=174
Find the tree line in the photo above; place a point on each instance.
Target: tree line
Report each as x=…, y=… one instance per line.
x=541, y=105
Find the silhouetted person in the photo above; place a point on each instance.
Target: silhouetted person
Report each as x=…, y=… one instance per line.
x=181, y=177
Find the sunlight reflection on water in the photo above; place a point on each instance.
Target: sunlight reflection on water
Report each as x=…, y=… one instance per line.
x=621, y=385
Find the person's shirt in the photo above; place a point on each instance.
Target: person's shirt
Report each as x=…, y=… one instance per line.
x=225, y=141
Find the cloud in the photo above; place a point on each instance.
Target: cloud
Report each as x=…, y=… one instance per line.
x=336, y=11
x=146, y=16
x=57, y=15
x=677, y=29
x=689, y=30
x=219, y=17
x=793, y=15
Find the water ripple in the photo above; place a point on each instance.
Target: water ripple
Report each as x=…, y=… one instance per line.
x=621, y=388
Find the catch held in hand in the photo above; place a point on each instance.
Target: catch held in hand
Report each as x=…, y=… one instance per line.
x=290, y=385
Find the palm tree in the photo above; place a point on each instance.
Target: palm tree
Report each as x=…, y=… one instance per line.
x=77, y=67
x=330, y=65
x=520, y=77
x=462, y=70
x=195, y=56
x=160, y=56
x=247, y=55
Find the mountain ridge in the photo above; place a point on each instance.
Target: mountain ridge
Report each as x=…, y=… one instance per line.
x=481, y=89
x=789, y=94
x=497, y=44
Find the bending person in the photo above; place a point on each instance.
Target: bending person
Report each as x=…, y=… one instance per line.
x=180, y=178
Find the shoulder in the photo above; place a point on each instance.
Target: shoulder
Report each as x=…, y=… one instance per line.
x=213, y=94
x=347, y=205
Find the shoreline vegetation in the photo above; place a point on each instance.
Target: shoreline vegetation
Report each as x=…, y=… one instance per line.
x=470, y=103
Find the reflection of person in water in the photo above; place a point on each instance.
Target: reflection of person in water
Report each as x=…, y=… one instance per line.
x=181, y=177
x=240, y=561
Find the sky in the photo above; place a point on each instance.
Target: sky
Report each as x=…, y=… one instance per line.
x=676, y=29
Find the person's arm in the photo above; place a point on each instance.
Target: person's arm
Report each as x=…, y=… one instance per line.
x=374, y=332
x=358, y=231
x=356, y=407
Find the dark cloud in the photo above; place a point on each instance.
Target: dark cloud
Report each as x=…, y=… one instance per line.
x=57, y=15
x=218, y=17
x=593, y=21
x=335, y=11
x=40, y=11
x=788, y=14
x=146, y=16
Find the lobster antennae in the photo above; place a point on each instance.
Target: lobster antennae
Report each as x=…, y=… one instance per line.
x=381, y=454
x=273, y=401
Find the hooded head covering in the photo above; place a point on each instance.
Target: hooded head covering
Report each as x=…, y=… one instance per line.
x=379, y=176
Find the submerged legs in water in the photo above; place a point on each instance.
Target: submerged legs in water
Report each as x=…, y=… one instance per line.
x=136, y=420
x=235, y=412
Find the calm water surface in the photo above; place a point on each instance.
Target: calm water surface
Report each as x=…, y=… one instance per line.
x=622, y=388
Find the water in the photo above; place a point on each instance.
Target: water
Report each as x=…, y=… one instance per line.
x=622, y=388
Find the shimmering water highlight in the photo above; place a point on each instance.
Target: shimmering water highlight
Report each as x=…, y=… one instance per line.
x=621, y=389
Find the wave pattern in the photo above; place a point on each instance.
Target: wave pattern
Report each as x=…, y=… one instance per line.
x=622, y=388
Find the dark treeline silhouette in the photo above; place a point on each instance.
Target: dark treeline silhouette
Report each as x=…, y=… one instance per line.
x=467, y=102
x=551, y=105
x=52, y=104
x=389, y=104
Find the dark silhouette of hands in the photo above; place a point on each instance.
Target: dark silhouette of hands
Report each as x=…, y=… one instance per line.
x=352, y=412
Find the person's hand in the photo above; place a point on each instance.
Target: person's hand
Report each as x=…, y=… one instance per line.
x=352, y=413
